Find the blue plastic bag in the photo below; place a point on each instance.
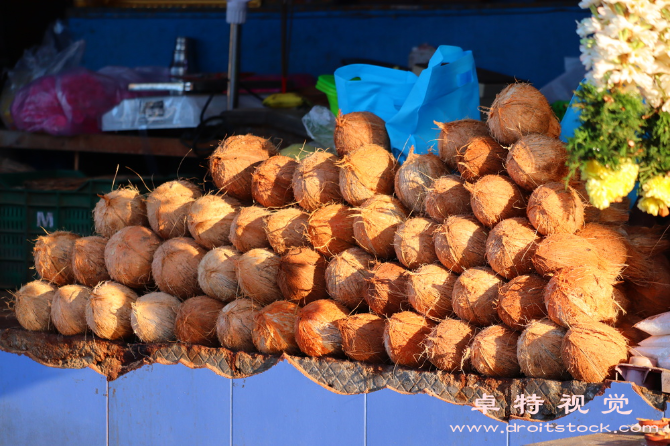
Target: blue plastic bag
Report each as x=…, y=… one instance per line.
x=446, y=91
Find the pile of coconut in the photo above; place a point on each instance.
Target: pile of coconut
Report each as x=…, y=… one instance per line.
x=480, y=258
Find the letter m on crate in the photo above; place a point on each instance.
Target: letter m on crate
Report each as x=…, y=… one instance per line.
x=45, y=220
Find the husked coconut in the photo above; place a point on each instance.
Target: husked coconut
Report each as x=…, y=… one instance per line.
x=274, y=328
x=53, y=257
x=32, y=305
x=460, y=243
x=316, y=328
x=272, y=182
x=481, y=155
x=386, y=291
x=346, y=277
x=413, y=242
x=539, y=350
x=302, y=275
x=168, y=207
x=210, y=219
x=651, y=298
x=521, y=301
x=495, y=198
x=447, y=196
x=375, y=225
x=591, y=351
x=235, y=324
x=88, y=260
x=353, y=130
x=256, y=273
x=118, y=209
x=415, y=177
x=447, y=345
x=536, y=159
x=195, y=322
x=429, y=291
x=554, y=208
x=610, y=243
x=475, y=297
x=128, y=255
x=286, y=229
x=108, y=310
x=175, y=267
x=510, y=247
x=331, y=229
x=316, y=181
x=247, y=231
x=216, y=273
x=366, y=171
x=405, y=335
x=616, y=214
x=494, y=352
x=363, y=338
x=68, y=309
x=649, y=241
x=153, y=317
x=456, y=134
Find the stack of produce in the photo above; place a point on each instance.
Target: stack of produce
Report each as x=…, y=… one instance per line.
x=480, y=259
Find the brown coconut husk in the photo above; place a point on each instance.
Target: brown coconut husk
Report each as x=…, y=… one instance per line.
x=316, y=181
x=537, y=159
x=233, y=163
x=88, y=260
x=651, y=298
x=481, y=155
x=196, y=321
x=539, y=350
x=210, y=218
x=274, y=328
x=495, y=198
x=367, y=171
x=363, y=338
x=175, y=267
x=331, y=229
x=429, y=291
x=621, y=305
x=521, y=301
x=216, y=273
x=591, y=351
x=68, y=309
x=553, y=209
x=510, y=247
x=519, y=109
x=301, y=276
x=168, y=207
x=118, y=209
x=153, y=317
x=405, y=335
x=128, y=255
x=386, y=290
x=346, y=277
x=108, y=310
x=626, y=326
x=247, y=231
x=53, y=257
x=286, y=229
x=616, y=214
x=610, y=243
x=316, y=328
x=475, y=297
x=447, y=345
x=353, y=130
x=235, y=324
x=415, y=177
x=494, y=352
x=558, y=251
x=554, y=130
x=375, y=225
x=649, y=241
x=272, y=182
x=460, y=243
x=447, y=196
x=413, y=242
x=32, y=305
x=256, y=273
x=456, y=134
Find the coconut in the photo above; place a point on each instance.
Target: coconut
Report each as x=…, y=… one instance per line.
x=537, y=159
x=274, y=328
x=195, y=322
x=651, y=298
x=128, y=255
x=615, y=214
x=272, y=182
x=256, y=273
x=353, y=130
x=32, y=305
x=495, y=198
x=286, y=228
x=175, y=267
x=363, y=338
x=648, y=241
x=553, y=209
x=510, y=247
x=447, y=345
x=413, y=242
x=456, y=134
x=375, y=225
x=88, y=260
x=591, y=351
x=494, y=352
x=168, y=207
x=521, y=301
x=216, y=273
x=405, y=335
x=554, y=130
x=447, y=196
x=519, y=109
x=481, y=155
x=621, y=305
x=68, y=309
x=118, y=209
x=316, y=181
x=415, y=177
x=366, y=171
x=210, y=218
x=108, y=310
x=475, y=297
x=247, y=231
x=429, y=291
x=316, y=328
x=331, y=229
x=153, y=317
x=626, y=326
x=235, y=323
x=232, y=164
x=346, y=277
x=301, y=275
x=460, y=243
x=53, y=257
x=539, y=350
x=558, y=251
x=611, y=244
x=386, y=290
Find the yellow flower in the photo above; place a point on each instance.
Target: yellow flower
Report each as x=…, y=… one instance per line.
x=656, y=196
x=605, y=185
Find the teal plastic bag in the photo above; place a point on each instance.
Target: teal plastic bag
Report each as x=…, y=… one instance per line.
x=446, y=91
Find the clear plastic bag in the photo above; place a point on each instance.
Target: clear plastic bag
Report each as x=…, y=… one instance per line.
x=320, y=126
